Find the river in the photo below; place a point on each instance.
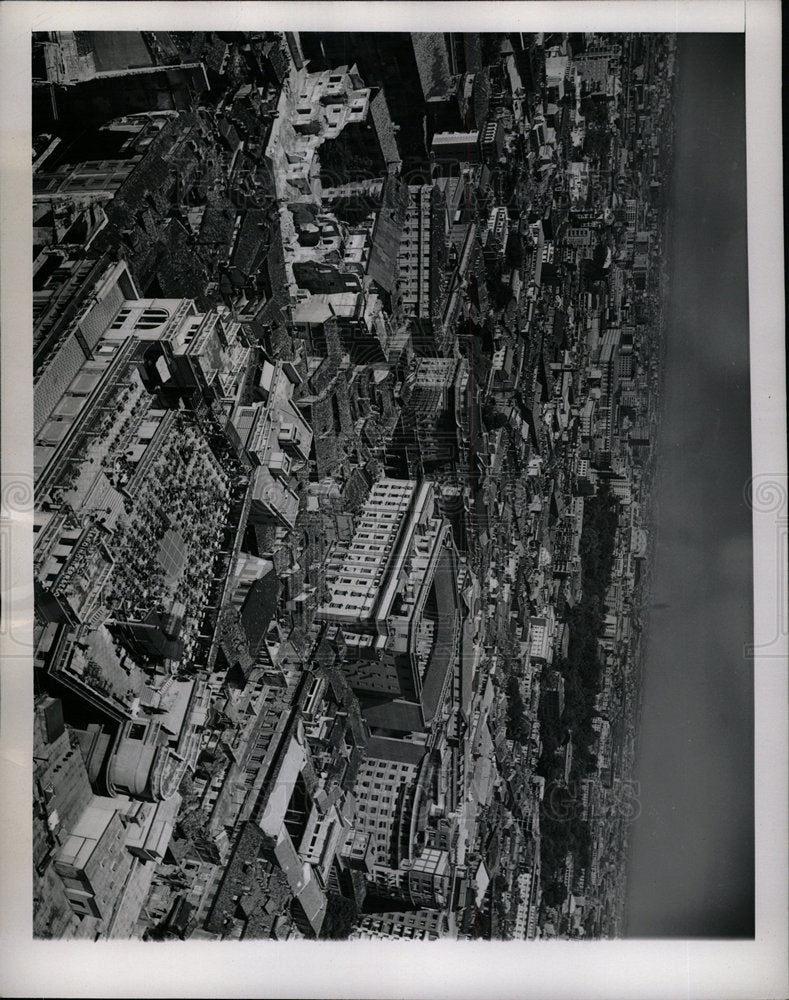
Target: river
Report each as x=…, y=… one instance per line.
x=691, y=864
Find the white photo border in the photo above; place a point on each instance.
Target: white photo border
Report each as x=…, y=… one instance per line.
x=605, y=969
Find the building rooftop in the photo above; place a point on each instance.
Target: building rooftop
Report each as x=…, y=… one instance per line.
x=258, y=610
x=382, y=266
x=432, y=63
x=382, y=121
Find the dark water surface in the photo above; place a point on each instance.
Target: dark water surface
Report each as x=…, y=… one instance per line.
x=692, y=866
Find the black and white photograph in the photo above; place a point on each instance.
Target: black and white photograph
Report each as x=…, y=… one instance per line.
x=396, y=514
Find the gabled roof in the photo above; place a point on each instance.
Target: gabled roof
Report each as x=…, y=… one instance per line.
x=252, y=241
x=382, y=266
x=258, y=609
x=441, y=659
x=153, y=170
x=432, y=63
x=384, y=129
x=480, y=97
x=217, y=225
x=229, y=134
x=356, y=489
x=402, y=751
x=401, y=716
x=246, y=851
x=276, y=59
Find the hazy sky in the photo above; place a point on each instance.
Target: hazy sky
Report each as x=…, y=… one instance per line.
x=692, y=863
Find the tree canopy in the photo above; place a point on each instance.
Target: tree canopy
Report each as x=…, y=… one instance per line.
x=563, y=828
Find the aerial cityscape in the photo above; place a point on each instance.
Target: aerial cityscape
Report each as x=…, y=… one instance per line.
x=347, y=357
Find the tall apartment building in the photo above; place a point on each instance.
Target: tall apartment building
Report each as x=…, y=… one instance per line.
x=394, y=605
x=423, y=880
x=430, y=384
x=94, y=854
x=89, y=181
x=384, y=785
x=403, y=805
x=498, y=223
x=462, y=148
x=491, y=141
x=414, y=253
x=608, y=365
x=541, y=632
x=410, y=925
x=329, y=99
x=411, y=68
x=275, y=440
x=93, y=862
x=641, y=258
x=93, y=180
x=61, y=786
x=631, y=213
x=581, y=237
x=362, y=577
x=524, y=883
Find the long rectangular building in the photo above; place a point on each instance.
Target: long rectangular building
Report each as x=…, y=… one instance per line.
x=363, y=577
